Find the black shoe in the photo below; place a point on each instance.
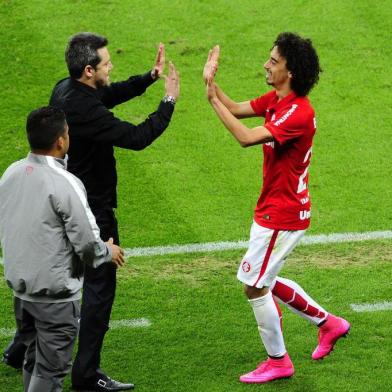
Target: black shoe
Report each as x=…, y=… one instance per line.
x=104, y=384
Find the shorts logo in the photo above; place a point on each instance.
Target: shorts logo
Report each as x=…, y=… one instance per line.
x=245, y=266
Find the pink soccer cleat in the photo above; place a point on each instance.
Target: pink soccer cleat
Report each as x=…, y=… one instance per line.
x=269, y=370
x=332, y=330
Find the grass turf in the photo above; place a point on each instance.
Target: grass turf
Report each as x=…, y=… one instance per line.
x=196, y=184
x=203, y=334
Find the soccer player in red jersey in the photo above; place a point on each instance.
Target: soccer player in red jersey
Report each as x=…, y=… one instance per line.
x=283, y=210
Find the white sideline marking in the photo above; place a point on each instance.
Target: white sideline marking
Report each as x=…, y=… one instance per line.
x=115, y=324
x=371, y=307
x=7, y=332
x=226, y=245
x=132, y=323
x=187, y=248
x=218, y=246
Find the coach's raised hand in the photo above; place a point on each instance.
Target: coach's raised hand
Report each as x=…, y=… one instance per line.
x=211, y=65
x=172, y=82
x=159, y=65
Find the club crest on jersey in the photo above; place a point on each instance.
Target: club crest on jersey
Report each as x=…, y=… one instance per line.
x=29, y=170
x=245, y=266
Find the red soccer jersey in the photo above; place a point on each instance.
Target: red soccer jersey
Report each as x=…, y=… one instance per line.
x=284, y=202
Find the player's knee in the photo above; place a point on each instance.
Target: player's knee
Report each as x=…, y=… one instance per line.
x=254, y=292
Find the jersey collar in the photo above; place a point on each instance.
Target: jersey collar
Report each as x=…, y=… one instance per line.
x=43, y=160
x=276, y=104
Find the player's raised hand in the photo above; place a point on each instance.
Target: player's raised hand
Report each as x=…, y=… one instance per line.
x=117, y=253
x=172, y=82
x=211, y=90
x=211, y=66
x=159, y=65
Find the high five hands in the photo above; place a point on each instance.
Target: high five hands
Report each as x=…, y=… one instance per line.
x=159, y=65
x=172, y=80
x=211, y=66
x=210, y=69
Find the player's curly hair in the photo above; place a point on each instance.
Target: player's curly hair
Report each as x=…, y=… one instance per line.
x=301, y=60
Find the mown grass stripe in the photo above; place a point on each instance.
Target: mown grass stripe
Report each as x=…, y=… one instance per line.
x=375, y=307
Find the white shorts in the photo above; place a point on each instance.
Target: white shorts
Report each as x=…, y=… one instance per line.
x=266, y=254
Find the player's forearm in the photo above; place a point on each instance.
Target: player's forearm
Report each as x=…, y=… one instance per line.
x=245, y=136
x=237, y=109
x=228, y=102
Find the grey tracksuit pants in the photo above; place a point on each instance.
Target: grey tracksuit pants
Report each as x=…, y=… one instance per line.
x=49, y=331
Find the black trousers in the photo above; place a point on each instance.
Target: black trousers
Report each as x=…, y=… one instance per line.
x=98, y=295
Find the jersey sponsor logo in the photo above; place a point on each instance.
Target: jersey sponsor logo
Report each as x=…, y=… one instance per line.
x=286, y=115
x=304, y=215
x=245, y=266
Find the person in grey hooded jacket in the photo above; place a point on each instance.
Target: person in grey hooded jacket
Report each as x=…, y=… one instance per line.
x=48, y=234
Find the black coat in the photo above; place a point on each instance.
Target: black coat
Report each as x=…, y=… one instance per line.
x=94, y=131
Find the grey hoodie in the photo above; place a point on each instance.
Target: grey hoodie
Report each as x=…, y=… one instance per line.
x=47, y=230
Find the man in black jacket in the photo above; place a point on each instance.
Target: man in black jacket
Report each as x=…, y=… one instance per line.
x=86, y=97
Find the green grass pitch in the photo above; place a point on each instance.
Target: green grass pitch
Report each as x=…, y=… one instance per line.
x=195, y=184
